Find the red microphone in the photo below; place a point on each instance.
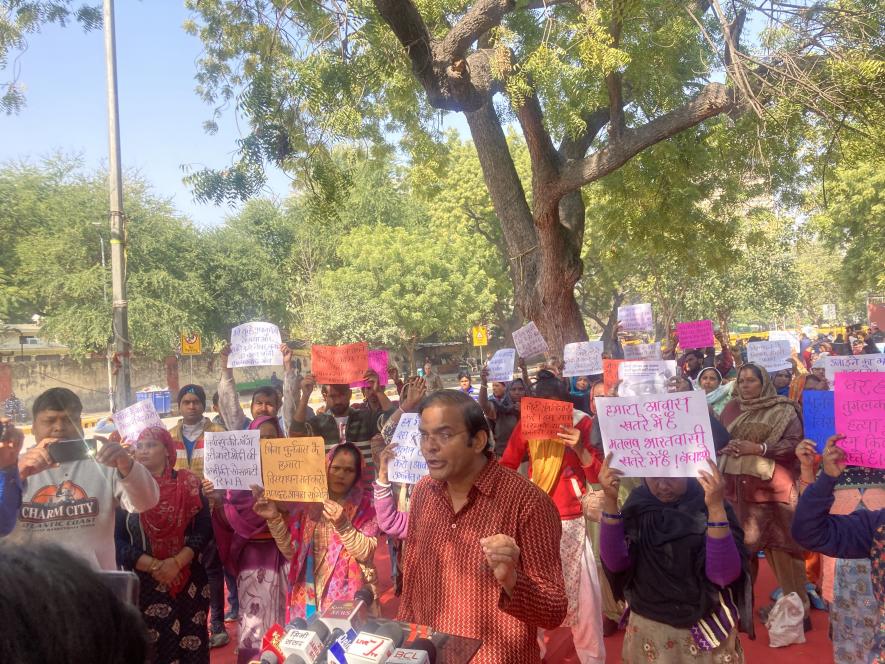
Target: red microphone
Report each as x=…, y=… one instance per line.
x=270, y=645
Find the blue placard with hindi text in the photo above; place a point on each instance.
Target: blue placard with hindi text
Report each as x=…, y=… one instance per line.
x=819, y=416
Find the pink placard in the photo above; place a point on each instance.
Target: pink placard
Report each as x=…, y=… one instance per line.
x=860, y=417
x=697, y=334
x=378, y=364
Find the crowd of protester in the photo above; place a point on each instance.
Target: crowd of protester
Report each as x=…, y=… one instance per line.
x=508, y=537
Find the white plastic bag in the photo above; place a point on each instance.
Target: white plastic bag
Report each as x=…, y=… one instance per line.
x=785, y=622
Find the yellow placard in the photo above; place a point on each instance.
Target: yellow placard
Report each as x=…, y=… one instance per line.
x=191, y=344
x=294, y=469
x=480, y=335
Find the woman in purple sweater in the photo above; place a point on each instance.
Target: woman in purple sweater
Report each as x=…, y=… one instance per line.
x=675, y=553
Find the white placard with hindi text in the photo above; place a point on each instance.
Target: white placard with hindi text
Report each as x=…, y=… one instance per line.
x=501, y=365
x=639, y=377
x=642, y=351
x=583, y=358
x=664, y=435
x=785, y=335
x=131, y=421
x=772, y=355
x=232, y=459
x=255, y=345
x=529, y=342
x=636, y=318
x=853, y=364
x=408, y=466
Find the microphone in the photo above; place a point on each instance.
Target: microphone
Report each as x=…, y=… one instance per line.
x=307, y=644
x=349, y=614
x=420, y=651
x=270, y=646
x=376, y=643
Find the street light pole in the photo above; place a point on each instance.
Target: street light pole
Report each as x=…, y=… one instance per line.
x=122, y=394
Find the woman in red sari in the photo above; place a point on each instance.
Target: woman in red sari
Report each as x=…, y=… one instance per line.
x=163, y=546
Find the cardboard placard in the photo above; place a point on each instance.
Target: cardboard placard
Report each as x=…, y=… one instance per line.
x=610, y=374
x=340, y=365
x=694, y=335
x=542, y=418
x=860, y=417
x=294, y=469
x=501, y=365
x=636, y=318
x=771, y=355
x=408, y=466
x=853, y=364
x=134, y=419
x=643, y=351
x=529, y=342
x=255, y=345
x=232, y=459
x=818, y=416
x=378, y=362
x=583, y=358
x=785, y=335
x=640, y=377
x=667, y=435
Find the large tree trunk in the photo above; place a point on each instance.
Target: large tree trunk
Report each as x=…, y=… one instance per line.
x=545, y=261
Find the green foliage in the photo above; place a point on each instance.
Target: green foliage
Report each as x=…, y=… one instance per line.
x=852, y=220
x=18, y=19
x=54, y=217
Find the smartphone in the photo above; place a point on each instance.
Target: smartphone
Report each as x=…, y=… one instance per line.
x=72, y=450
x=125, y=585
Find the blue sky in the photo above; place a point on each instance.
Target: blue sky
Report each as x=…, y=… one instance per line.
x=160, y=114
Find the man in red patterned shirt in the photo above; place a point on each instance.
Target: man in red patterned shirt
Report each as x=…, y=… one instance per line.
x=482, y=549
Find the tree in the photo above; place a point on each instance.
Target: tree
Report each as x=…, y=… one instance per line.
x=54, y=218
x=395, y=287
x=588, y=84
x=852, y=221
x=22, y=17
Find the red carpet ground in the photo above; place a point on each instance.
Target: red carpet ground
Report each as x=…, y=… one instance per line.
x=816, y=650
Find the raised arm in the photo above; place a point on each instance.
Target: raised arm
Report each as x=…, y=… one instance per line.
x=814, y=528
x=228, y=401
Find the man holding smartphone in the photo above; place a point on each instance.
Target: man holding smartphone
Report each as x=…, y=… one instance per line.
x=69, y=493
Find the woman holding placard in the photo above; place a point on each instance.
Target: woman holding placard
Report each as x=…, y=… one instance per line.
x=761, y=473
x=163, y=547
x=675, y=553
x=331, y=546
x=248, y=552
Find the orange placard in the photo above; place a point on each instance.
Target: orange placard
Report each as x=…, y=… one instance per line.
x=339, y=364
x=610, y=374
x=541, y=418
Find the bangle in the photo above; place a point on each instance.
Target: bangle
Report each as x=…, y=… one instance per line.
x=718, y=524
x=154, y=566
x=616, y=517
x=764, y=449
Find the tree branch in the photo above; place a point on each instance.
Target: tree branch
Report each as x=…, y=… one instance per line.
x=545, y=160
x=713, y=99
x=452, y=84
x=576, y=148
x=480, y=18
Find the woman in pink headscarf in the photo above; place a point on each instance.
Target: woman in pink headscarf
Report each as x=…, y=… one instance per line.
x=248, y=552
x=163, y=546
x=331, y=545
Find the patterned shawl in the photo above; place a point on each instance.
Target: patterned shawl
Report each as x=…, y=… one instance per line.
x=165, y=524
x=347, y=574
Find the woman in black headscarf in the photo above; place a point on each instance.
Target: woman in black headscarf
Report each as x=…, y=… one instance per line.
x=675, y=553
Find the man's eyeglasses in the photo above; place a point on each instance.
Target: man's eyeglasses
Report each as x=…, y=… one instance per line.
x=441, y=438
